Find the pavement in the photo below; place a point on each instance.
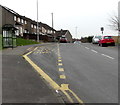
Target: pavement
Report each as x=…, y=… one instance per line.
x=21, y=83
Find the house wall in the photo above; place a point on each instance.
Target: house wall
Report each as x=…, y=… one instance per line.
x=69, y=36
x=0, y=20
x=7, y=17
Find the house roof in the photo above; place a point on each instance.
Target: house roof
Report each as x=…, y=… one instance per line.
x=46, y=26
x=61, y=32
x=10, y=10
x=28, y=19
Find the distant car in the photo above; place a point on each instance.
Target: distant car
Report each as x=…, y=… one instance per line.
x=63, y=40
x=77, y=42
x=106, y=40
x=96, y=39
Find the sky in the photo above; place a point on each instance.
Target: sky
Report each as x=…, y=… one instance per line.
x=81, y=17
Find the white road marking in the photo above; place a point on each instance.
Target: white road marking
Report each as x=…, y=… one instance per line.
x=87, y=48
x=107, y=56
x=94, y=51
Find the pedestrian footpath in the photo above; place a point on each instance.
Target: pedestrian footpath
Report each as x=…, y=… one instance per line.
x=21, y=83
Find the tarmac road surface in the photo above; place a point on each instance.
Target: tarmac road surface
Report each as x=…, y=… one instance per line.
x=90, y=71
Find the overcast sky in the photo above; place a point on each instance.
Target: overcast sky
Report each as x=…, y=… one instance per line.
x=87, y=15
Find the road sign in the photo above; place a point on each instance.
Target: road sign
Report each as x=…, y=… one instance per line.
x=102, y=29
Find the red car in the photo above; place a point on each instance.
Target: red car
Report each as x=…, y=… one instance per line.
x=106, y=40
x=63, y=40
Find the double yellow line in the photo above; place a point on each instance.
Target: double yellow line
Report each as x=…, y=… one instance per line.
x=52, y=83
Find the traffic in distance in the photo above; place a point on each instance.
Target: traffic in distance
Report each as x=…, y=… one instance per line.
x=102, y=41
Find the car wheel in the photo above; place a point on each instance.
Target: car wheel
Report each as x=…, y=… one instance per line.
x=113, y=44
x=102, y=45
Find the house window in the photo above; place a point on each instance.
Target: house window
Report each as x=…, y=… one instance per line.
x=54, y=32
x=31, y=25
x=21, y=30
x=15, y=18
x=51, y=31
x=18, y=19
x=25, y=31
x=25, y=22
x=22, y=21
x=35, y=26
x=48, y=31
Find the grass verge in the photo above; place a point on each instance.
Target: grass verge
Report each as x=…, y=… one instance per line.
x=22, y=42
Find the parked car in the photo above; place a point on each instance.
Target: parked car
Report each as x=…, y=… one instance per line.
x=63, y=40
x=77, y=42
x=95, y=39
x=106, y=40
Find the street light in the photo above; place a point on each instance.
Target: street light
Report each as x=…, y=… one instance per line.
x=76, y=31
x=52, y=21
x=37, y=24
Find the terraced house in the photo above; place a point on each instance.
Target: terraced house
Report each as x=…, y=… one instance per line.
x=27, y=28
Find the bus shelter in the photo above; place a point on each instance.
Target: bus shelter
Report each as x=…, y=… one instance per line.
x=8, y=36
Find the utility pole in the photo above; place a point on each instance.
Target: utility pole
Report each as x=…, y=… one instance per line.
x=52, y=21
x=37, y=24
x=53, y=26
x=76, y=31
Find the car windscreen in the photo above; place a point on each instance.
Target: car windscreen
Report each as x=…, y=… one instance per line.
x=107, y=37
x=98, y=37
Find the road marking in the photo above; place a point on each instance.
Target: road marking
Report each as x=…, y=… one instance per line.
x=60, y=64
x=78, y=99
x=59, y=57
x=59, y=60
x=62, y=77
x=87, y=48
x=61, y=69
x=29, y=48
x=50, y=81
x=107, y=56
x=65, y=86
x=94, y=51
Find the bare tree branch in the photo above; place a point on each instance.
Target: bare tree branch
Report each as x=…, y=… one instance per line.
x=114, y=23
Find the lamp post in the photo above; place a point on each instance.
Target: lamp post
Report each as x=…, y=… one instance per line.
x=52, y=21
x=76, y=31
x=37, y=24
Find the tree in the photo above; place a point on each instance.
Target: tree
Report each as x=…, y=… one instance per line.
x=114, y=23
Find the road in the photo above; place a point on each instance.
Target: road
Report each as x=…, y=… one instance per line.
x=88, y=73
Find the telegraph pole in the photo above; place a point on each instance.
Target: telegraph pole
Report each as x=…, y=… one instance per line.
x=37, y=24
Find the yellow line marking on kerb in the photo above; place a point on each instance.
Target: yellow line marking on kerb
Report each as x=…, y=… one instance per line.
x=62, y=77
x=50, y=81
